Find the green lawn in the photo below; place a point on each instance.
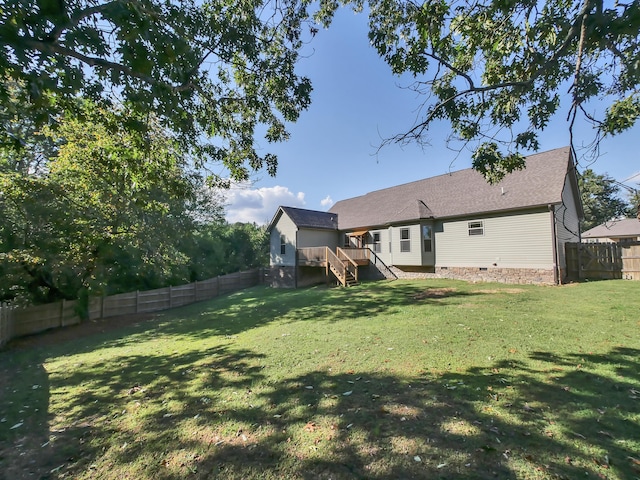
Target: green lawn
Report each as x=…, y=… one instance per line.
x=404, y=379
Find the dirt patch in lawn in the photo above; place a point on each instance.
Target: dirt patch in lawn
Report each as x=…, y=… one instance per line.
x=501, y=290
x=434, y=293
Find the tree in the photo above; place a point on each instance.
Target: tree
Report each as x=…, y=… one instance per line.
x=634, y=205
x=496, y=69
x=220, y=248
x=108, y=212
x=216, y=72
x=599, y=199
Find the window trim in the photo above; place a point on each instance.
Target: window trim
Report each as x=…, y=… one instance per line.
x=475, y=228
x=405, y=243
x=376, y=242
x=428, y=238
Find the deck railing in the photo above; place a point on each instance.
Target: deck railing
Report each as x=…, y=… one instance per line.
x=357, y=254
x=350, y=264
x=312, y=256
x=337, y=266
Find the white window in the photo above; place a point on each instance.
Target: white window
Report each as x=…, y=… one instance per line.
x=283, y=245
x=347, y=241
x=426, y=238
x=405, y=240
x=476, y=228
x=377, y=246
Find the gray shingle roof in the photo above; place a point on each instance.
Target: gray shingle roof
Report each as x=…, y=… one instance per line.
x=311, y=218
x=460, y=193
x=627, y=227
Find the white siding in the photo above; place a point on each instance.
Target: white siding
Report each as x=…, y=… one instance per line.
x=414, y=256
x=317, y=238
x=510, y=241
x=284, y=226
x=567, y=221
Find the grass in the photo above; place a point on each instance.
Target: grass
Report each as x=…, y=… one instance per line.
x=404, y=379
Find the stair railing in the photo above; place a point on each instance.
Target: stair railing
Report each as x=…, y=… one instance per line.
x=377, y=261
x=349, y=263
x=337, y=267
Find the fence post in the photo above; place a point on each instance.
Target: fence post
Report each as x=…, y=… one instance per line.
x=5, y=317
x=195, y=291
x=62, y=305
x=102, y=307
x=137, y=300
x=170, y=297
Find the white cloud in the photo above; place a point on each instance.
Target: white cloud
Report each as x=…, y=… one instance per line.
x=245, y=204
x=327, y=202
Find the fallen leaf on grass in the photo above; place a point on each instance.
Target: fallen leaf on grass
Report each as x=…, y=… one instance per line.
x=310, y=427
x=606, y=434
x=346, y=394
x=17, y=425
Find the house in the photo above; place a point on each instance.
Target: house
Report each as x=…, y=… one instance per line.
x=454, y=225
x=291, y=230
x=615, y=231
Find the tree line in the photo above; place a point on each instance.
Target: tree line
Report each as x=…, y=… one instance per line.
x=91, y=206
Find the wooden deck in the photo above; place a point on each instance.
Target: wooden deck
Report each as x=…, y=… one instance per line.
x=317, y=256
x=343, y=263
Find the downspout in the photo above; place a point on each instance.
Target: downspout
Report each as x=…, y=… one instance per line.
x=556, y=260
x=295, y=262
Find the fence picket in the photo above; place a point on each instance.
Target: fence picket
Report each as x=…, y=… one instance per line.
x=600, y=261
x=25, y=321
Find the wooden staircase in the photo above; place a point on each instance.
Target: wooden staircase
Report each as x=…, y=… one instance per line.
x=343, y=267
x=350, y=280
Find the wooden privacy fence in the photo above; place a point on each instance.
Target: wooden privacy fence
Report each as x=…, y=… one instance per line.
x=17, y=322
x=601, y=261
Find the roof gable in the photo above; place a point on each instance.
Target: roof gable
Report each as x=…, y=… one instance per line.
x=460, y=193
x=303, y=218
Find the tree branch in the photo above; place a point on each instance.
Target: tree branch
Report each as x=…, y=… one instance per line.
x=75, y=20
x=54, y=48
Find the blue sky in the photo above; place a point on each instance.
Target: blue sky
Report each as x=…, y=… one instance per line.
x=356, y=103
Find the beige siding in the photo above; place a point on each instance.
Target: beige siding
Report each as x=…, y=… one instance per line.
x=317, y=238
x=567, y=221
x=414, y=256
x=384, y=253
x=509, y=241
x=284, y=226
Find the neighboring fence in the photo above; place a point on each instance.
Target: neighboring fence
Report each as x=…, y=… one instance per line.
x=601, y=261
x=17, y=322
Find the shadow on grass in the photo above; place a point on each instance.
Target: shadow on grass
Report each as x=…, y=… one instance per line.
x=217, y=414
x=252, y=308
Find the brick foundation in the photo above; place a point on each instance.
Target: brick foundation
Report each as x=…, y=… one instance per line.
x=474, y=274
x=283, y=277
